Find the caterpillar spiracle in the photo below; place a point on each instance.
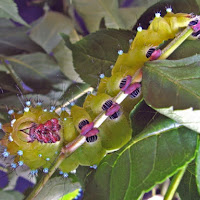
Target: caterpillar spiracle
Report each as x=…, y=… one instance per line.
x=37, y=135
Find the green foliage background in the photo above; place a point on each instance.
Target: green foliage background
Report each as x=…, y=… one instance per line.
x=165, y=123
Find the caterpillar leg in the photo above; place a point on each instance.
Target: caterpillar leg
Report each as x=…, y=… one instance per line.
x=195, y=25
x=153, y=54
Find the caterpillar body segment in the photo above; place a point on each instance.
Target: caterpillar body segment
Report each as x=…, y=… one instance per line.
x=97, y=102
x=70, y=163
x=91, y=153
x=78, y=114
x=112, y=138
x=160, y=30
x=69, y=131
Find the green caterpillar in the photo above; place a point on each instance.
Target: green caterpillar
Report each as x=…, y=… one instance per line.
x=37, y=135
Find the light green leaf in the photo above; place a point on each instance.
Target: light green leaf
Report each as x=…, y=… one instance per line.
x=56, y=188
x=187, y=117
x=14, y=40
x=157, y=153
x=8, y=9
x=71, y=195
x=37, y=70
x=46, y=32
x=93, y=11
x=63, y=56
x=129, y=15
x=11, y=195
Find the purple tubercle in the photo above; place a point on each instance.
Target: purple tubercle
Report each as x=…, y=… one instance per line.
x=7, y=62
x=29, y=11
x=26, y=87
x=28, y=32
x=23, y=184
x=3, y=179
x=126, y=3
x=51, y=54
x=81, y=23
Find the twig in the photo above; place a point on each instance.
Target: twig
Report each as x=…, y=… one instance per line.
x=16, y=78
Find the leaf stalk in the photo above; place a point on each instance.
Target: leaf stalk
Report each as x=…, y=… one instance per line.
x=174, y=184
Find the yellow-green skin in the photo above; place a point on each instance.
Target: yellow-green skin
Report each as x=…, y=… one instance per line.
x=113, y=133
x=160, y=30
x=110, y=132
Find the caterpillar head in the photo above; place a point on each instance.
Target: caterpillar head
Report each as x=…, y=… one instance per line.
x=33, y=137
x=178, y=20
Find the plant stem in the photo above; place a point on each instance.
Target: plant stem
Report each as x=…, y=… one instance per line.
x=174, y=184
x=80, y=140
x=15, y=60
x=169, y=49
x=89, y=89
x=15, y=77
x=46, y=177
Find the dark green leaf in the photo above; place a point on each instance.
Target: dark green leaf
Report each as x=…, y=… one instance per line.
x=141, y=116
x=11, y=195
x=37, y=70
x=95, y=53
x=172, y=83
x=171, y=87
x=15, y=40
x=188, y=188
x=158, y=152
x=7, y=83
x=188, y=48
x=74, y=91
x=82, y=172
